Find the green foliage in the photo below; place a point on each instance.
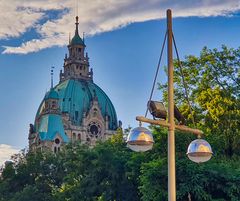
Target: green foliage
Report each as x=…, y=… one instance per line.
x=154, y=180
x=213, y=83
x=111, y=172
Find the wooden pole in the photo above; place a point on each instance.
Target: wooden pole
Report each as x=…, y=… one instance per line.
x=171, y=128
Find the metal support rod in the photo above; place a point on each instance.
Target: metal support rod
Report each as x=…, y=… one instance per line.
x=166, y=124
x=171, y=128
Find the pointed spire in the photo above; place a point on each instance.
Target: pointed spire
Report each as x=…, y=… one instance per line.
x=77, y=40
x=77, y=23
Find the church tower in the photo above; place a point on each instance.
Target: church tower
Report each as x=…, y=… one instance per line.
x=76, y=109
x=76, y=65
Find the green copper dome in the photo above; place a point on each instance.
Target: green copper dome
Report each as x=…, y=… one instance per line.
x=75, y=97
x=50, y=126
x=76, y=40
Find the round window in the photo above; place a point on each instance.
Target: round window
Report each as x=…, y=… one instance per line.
x=57, y=141
x=94, y=129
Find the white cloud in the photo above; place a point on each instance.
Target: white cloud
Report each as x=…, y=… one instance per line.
x=6, y=151
x=95, y=17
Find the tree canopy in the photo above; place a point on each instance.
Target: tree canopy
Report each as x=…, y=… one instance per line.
x=112, y=172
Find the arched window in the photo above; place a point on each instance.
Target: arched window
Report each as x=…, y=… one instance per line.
x=79, y=136
x=95, y=112
x=55, y=149
x=53, y=104
x=74, y=136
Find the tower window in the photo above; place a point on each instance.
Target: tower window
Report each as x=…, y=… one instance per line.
x=53, y=104
x=74, y=136
x=79, y=49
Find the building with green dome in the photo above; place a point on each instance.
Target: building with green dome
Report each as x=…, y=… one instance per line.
x=76, y=109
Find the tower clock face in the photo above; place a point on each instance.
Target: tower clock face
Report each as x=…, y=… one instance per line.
x=94, y=129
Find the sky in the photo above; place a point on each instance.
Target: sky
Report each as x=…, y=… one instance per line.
x=123, y=40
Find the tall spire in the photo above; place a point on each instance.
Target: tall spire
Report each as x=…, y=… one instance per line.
x=77, y=40
x=76, y=30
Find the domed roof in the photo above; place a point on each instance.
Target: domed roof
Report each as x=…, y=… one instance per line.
x=50, y=126
x=52, y=94
x=76, y=40
x=75, y=97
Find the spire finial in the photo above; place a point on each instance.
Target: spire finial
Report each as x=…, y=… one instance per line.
x=83, y=36
x=77, y=20
x=52, y=76
x=77, y=23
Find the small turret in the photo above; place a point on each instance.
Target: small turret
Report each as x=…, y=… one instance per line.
x=51, y=102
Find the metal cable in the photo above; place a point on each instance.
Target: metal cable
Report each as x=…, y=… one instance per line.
x=158, y=66
x=184, y=83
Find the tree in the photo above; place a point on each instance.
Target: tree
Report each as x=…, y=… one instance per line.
x=111, y=172
x=213, y=83
x=99, y=173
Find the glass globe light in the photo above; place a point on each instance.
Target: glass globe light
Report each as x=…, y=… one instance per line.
x=199, y=151
x=140, y=139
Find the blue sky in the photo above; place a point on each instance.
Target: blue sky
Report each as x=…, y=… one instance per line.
x=123, y=42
